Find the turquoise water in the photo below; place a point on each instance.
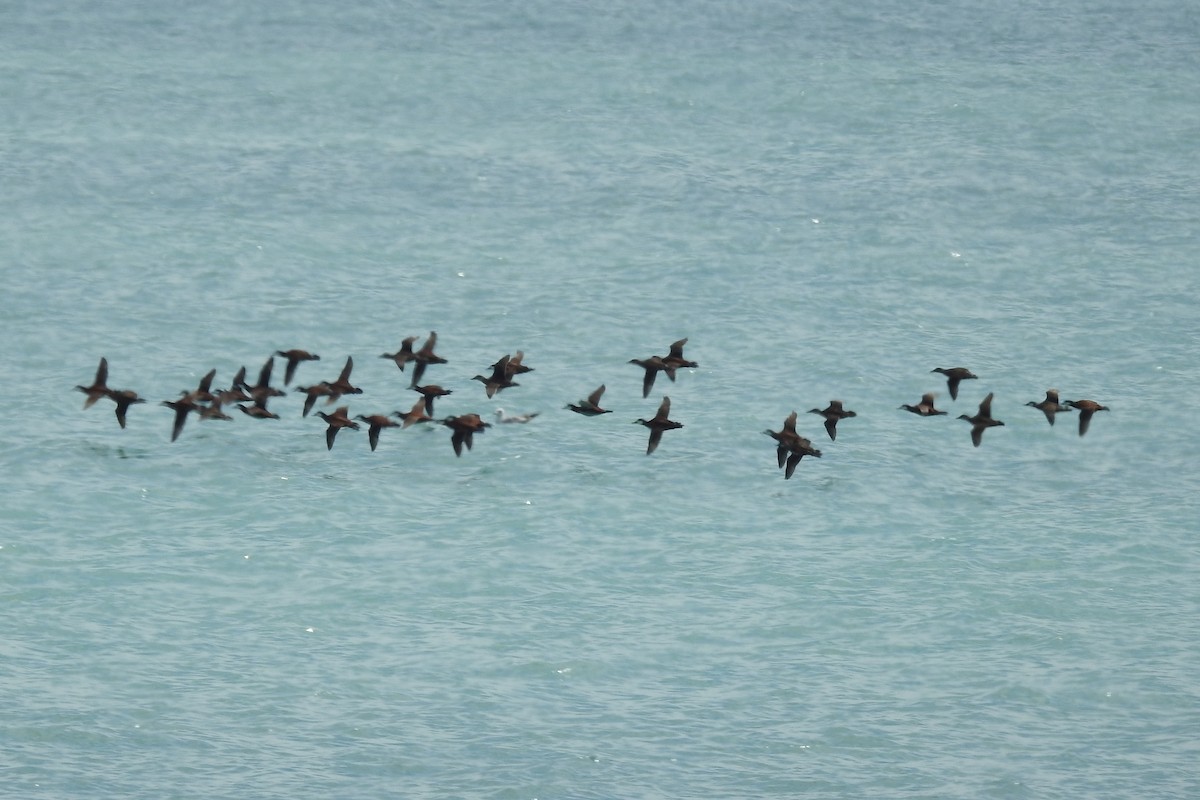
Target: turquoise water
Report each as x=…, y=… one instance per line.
x=829, y=202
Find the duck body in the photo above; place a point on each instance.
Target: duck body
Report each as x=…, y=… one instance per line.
x=1087, y=409
x=833, y=413
x=262, y=390
x=954, y=376
x=404, y=355
x=674, y=359
x=791, y=447
x=652, y=365
x=424, y=357
x=294, y=357
x=1050, y=406
x=982, y=420
x=590, y=406
x=338, y=420
x=658, y=424
x=182, y=407
x=311, y=393
x=99, y=387
x=375, y=424
x=499, y=380
x=258, y=410
x=418, y=413
x=124, y=398
x=342, y=385
x=463, y=429
x=431, y=391
x=925, y=407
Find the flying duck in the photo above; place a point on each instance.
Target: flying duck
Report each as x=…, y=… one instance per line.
x=832, y=413
x=982, y=420
x=659, y=423
x=954, y=375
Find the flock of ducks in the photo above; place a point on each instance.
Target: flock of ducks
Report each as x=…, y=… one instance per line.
x=207, y=403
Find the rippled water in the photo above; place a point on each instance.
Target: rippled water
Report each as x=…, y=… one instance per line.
x=827, y=202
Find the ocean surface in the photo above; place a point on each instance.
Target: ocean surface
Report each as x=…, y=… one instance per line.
x=827, y=200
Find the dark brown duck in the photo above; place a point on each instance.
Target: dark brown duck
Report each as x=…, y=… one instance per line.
x=262, y=390
x=337, y=420
x=659, y=423
x=431, y=391
x=954, y=376
x=311, y=393
x=1086, y=408
x=590, y=407
x=124, y=398
x=652, y=365
x=674, y=359
x=375, y=424
x=342, y=385
x=832, y=414
x=499, y=380
x=258, y=410
x=294, y=357
x=791, y=446
x=982, y=420
x=182, y=407
x=424, y=357
x=418, y=413
x=1050, y=406
x=464, y=429
x=925, y=407
x=404, y=355
x=99, y=387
